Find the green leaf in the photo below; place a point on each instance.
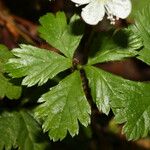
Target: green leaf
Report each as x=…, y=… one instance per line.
x=5, y=54
x=8, y=130
x=112, y=55
x=106, y=47
x=135, y=112
x=105, y=87
x=144, y=55
x=59, y=34
x=63, y=106
x=134, y=39
x=129, y=100
x=37, y=65
x=29, y=133
x=143, y=23
x=8, y=88
x=19, y=129
x=138, y=5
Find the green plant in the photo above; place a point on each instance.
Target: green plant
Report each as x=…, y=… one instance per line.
x=77, y=85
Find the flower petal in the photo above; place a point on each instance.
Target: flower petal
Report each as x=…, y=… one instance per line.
x=119, y=8
x=93, y=12
x=81, y=2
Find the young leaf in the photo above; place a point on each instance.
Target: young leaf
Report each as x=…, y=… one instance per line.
x=7, y=88
x=107, y=48
x=38, y=65
x=19, y=129
x=59, y=34
x=63, y=106
x=143, y=23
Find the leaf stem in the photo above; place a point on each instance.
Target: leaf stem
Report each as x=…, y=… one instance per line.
x=82, y=52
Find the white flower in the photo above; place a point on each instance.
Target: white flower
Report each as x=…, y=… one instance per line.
x=95, y=10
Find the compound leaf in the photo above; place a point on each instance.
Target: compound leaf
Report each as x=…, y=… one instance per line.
x=37, y=65
x=59, y=34
x=63, y=106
